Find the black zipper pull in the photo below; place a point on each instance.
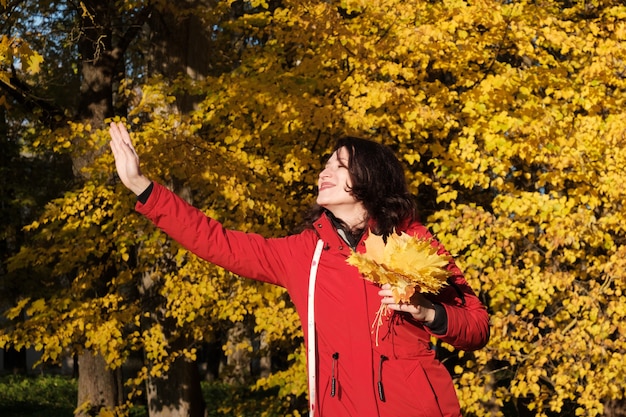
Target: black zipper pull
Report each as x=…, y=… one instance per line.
x=333, y=380
x=381, y=390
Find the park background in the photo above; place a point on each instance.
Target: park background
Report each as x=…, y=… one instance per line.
x=509, y=116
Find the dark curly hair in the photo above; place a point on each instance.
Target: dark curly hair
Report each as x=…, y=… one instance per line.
x=378, y=181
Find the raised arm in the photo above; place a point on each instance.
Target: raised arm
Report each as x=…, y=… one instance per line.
x=246, y=254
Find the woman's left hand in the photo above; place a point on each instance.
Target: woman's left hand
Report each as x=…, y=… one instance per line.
x=419, y=306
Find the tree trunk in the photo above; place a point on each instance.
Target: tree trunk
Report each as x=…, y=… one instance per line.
x=242, y=365
x=98, y=386
x=615, y=408
x=177, y=393
x=98, y=64
x=179, y=46
x=236, y=371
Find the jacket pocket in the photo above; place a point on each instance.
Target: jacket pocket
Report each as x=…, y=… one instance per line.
x=408, y=390
x=439, y=383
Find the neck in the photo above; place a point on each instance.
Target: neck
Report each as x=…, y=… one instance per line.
x=353, y=220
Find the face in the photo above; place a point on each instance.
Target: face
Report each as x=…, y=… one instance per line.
x=334, y=184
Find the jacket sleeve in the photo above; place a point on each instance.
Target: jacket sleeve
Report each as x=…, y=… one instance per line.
x=467, y=318
x=246, y=254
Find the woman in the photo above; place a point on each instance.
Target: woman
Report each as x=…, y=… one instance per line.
x=352, y=372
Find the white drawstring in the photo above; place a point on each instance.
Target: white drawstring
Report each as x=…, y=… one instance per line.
x=312, y=346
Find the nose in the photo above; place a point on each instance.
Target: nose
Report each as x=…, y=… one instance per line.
x=325, y=173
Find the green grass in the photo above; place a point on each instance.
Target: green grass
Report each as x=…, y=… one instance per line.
x=40, y=396
x=56, y=396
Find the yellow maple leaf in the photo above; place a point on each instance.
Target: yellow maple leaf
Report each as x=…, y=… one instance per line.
x=405, y=262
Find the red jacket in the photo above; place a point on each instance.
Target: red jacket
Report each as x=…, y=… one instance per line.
x=415, y=383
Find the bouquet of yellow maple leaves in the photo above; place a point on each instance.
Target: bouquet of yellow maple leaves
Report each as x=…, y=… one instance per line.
x=407, y=263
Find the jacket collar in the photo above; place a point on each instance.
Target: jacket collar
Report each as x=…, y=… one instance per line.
x=348, y=237
x=329, y=230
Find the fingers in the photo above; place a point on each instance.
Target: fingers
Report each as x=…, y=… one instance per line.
x=116, y=139
x=118, y=133
x=403, y=307
x=387, y=295
x=121, y=144
x=389, y=299
x=385, y=290
x=120, y=136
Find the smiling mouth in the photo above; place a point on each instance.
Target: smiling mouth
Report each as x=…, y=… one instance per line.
x=325, y=186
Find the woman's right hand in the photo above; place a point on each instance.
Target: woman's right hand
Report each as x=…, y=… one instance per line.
x=126, y=159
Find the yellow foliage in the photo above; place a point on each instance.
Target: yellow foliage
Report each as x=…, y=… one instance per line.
x=509, y=114
x=407, y=263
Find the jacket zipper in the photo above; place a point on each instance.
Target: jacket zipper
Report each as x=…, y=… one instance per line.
x=381, y=390
x=333, y=380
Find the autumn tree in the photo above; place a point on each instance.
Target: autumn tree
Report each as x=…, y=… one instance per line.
x=86, y=309
x=99, y=36
x=509, y=117
x=20, y=202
